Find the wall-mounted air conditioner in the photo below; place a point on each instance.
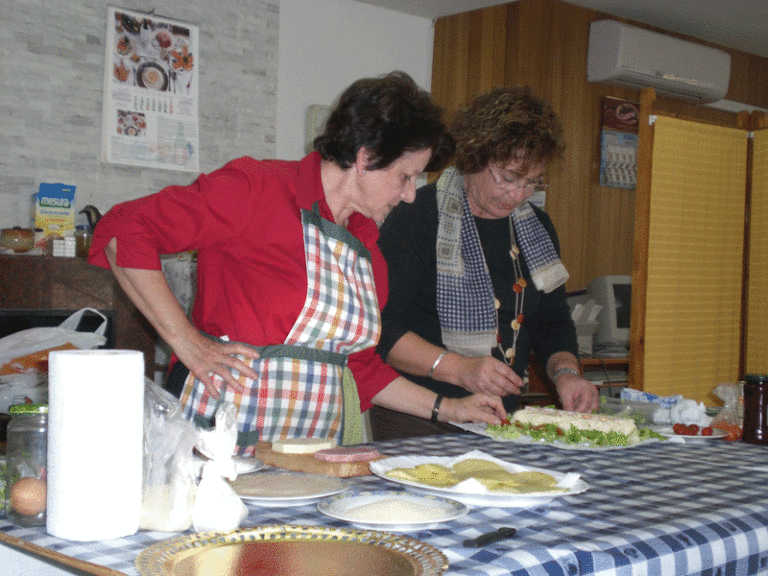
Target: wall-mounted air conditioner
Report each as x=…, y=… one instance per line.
x=636, y=57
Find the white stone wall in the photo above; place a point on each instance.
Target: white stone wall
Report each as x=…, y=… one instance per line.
x=325, y=45
x=51, y=79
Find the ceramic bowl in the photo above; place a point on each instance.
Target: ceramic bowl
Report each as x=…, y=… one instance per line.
x=18, y=239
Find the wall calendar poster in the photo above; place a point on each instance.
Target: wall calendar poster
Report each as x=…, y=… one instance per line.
x=151, y=73
x=618, y=156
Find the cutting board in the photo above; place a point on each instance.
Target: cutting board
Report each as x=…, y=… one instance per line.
x=308, y=463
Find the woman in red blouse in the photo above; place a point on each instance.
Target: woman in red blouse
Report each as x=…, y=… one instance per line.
x=290, y=279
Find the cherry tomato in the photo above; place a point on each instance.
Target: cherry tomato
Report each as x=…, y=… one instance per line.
x=678, y=428
x=693, y=429
x=707, y=431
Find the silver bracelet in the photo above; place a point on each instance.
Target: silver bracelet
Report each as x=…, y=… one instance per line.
x=561, y=371
x=439, y=358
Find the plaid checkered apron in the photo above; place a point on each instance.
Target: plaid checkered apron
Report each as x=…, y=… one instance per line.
x=299, y=389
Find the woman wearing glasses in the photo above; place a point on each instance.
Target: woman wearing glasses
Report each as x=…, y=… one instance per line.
x=475, y=278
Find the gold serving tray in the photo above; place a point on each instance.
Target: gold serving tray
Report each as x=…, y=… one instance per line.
x=287, y=550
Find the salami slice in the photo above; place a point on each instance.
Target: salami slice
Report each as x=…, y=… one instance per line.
x=348, y=454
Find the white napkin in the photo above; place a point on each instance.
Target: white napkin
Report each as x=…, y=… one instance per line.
x=689, y=412
x=217, y=506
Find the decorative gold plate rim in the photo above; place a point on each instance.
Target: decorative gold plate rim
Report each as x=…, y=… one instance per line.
x=158, y=559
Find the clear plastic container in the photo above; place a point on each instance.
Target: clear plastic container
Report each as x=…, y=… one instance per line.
x=641, y=412
x=26, y=466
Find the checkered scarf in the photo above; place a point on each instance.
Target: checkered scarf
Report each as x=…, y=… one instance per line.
x=465, y=297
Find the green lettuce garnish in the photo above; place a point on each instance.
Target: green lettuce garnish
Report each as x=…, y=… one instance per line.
x=549, y=433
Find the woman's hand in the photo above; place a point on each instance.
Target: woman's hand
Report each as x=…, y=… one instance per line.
x=208, y=360
x=476, y=408
x=577, y=394
x=482, y=374
x=212, y=362
x=405, y=396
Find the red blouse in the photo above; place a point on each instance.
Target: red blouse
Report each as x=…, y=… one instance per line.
x=244, y=220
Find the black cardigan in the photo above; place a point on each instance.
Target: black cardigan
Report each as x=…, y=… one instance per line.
x=408, y=238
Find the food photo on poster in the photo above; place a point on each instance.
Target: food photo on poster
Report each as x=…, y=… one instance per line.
x=151, y=54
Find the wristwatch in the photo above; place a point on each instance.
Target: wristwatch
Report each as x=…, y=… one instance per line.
x=562, y=371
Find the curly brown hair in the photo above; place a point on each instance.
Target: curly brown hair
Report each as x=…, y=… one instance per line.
x=503, y=125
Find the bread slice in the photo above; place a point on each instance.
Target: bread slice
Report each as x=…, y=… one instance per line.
x=302, y=445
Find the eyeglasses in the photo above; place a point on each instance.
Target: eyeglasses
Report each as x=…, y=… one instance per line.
x=510, y=182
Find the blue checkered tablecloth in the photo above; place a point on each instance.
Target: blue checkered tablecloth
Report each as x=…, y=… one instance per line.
x=657, y=509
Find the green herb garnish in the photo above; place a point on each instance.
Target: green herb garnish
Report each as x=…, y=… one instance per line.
x=573, y=436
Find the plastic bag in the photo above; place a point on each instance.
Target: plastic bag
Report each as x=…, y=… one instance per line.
x=217, y=507
x=27, y=351
x=169, y=483
x=732, y=411
x=29, y=388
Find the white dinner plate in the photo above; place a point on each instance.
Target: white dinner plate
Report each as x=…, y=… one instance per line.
x=247, y=465
x=472, y=492
x=391, y=509
x=286, y=488
x=669, y=433
x=243, y=465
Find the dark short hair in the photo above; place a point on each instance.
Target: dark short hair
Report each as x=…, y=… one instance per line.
x=388, y=115
x=506, y=124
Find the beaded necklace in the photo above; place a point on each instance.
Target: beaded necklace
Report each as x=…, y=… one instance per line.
x=519, y=289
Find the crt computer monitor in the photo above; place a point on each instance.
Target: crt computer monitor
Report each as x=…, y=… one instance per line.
x=614, y=294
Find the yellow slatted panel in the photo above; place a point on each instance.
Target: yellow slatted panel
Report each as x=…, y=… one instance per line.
x=695, y=256
x=757, y=316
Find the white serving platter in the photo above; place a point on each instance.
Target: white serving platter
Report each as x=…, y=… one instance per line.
x=669, y=433
x=473, y=493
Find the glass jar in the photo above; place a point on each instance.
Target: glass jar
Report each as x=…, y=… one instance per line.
x=26, y=466
x=83, y=236
x=755, y=406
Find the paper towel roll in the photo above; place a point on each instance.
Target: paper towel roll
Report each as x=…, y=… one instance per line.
x=95, y=428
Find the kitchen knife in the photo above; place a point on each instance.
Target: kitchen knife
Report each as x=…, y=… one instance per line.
x=491, y=537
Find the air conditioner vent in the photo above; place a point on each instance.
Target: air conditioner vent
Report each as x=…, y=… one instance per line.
x=635, y=57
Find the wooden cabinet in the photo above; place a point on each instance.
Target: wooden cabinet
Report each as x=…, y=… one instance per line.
x=608, y=374
x=43, y=284
x=540, y=390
